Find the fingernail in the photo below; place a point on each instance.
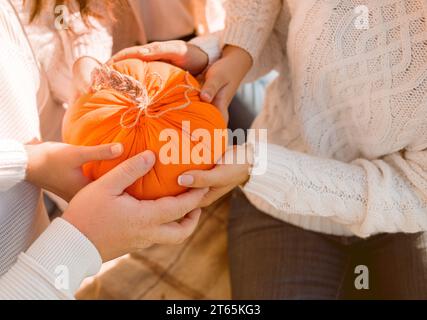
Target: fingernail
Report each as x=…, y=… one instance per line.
x=185, y=180
x=117, y=149
x=144, y=51
x=206, y=96
x=149, y=158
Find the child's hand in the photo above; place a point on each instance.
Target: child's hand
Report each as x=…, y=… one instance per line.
x=223, y=78
x=57, y=167
x=176, y=52
x=82, y=75
x=117, y=223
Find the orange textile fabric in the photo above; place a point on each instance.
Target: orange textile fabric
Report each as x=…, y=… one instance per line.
x=183, y=132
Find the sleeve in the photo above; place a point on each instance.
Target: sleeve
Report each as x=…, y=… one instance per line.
x=249, y=25
x=386, y=195
x=53, y=267
x=78, y=37
x=271, y=57
x=210, y=44
x=93, y=40
x=13, y=163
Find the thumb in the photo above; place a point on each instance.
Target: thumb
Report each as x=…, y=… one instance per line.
x=126, y=173
x=213, y=84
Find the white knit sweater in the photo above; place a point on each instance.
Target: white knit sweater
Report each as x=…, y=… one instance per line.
x=58, y=41
x=33, y=254
x=346, y=118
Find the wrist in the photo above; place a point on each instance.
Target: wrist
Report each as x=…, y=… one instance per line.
x=209, y=45
x=34, y=156
x=198, y=55
x=244, y=152
x=249, y=161
x=241, y=55
x=78, y=218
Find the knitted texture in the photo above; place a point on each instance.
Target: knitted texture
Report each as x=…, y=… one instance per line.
x=351, y=96
x=59, y=39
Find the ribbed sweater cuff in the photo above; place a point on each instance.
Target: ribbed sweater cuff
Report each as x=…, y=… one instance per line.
x=65, y=252
x=210, y=44
x=241, y=35
x=13, y=163
x=95, y=41
x=84, y=48
x=264, y=172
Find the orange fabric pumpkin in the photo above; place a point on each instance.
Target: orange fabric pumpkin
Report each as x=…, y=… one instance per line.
x=161, y=112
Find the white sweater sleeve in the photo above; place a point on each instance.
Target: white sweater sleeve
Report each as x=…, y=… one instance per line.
x=94, y=40
x=368, y=196
x=248, y=25
x=53, y=267
x=13, y=163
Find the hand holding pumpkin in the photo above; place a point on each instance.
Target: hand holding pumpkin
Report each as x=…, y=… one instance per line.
x=220, y=84
x=232, y=171
x=117, y=223
x=179, y=53
x=57, y=167
x=148, y=106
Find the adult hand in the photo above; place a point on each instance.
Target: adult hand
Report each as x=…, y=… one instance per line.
x=57, y=167
x=176, y=52
x=117, y=223
x=232, y=171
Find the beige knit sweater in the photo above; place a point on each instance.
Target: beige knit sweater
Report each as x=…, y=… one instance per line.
x=346, y=118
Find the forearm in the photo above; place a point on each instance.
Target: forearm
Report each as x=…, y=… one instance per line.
x=367, y=196
x=53, y=267
x=270, y=57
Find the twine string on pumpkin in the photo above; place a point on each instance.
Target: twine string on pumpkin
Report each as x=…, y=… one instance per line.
x=107, y=78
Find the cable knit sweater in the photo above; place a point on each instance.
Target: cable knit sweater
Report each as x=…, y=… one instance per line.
x=346, y=118
x=33, y=254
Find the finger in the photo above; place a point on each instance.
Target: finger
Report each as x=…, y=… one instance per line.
x=201, y=178
x=137, y=52
x=154, y=51
x=178, y=232
x=214, y=195
x=171, y=209
x=101, y=152
x=211, y=87
x=126, y=173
